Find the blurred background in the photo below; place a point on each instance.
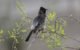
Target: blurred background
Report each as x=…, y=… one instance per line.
x=68, y=9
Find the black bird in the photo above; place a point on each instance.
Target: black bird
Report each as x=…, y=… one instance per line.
x=38, y=22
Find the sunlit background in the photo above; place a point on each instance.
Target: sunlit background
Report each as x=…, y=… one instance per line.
x=68, y=9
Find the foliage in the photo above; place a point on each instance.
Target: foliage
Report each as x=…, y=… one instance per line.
x=1, y=35
x=15, y=33
x=52, y=34
x=54, y=31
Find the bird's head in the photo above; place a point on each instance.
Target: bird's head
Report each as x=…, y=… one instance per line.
x=42, y=10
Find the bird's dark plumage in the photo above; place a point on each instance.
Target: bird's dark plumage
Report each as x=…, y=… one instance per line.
x=38, y=22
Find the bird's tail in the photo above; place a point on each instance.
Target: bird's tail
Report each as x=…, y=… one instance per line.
x=27, y=39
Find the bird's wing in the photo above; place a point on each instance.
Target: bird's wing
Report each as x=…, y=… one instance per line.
x=35, y=23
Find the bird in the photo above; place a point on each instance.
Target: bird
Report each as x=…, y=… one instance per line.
x=38, y=22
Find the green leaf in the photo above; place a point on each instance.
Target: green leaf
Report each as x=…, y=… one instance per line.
x=61, y=30
x=23, y=30
x=51, y=28
x=1, y=31
x=51, y=16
